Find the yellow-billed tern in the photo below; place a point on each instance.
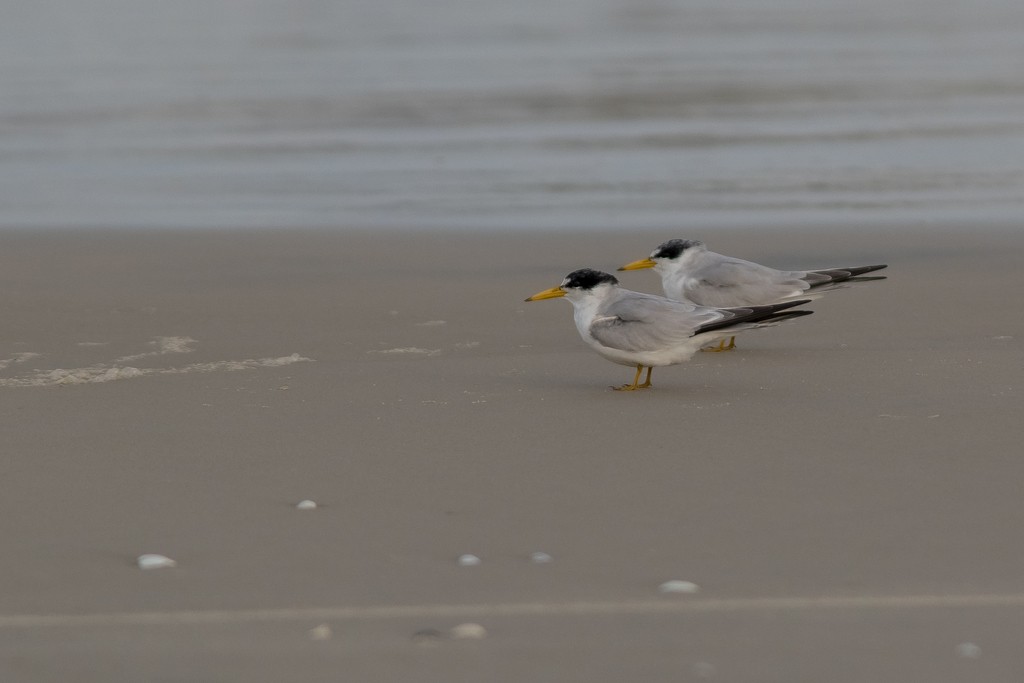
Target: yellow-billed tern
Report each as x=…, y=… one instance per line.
x=689, y=272
x=644, y=330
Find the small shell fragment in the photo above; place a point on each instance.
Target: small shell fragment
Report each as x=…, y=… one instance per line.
x=676, y=586
x=321, y=632
x=153, y=561
x=704, y=670
x=468, y=560
x=540, y=558
x=468, y=631
x=306, y=505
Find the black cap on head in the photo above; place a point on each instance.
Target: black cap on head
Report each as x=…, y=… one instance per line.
x=673, y=248
x=588, y=278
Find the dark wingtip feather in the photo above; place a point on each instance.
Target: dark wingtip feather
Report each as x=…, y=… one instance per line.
x=754, y=314
x=779, y=317
x=786, y=304
x=834, y=275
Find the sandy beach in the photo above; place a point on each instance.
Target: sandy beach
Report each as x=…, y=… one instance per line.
x=255, y=254
x=844, y=490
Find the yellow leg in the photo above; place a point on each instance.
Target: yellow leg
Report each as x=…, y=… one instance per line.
x=721, y=346
x=636, y=381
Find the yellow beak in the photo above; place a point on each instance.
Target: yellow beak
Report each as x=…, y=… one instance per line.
x=552, y=293
x=639, y=265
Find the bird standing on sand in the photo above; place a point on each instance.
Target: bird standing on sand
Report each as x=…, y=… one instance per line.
x=644, y=330
x=689, y=272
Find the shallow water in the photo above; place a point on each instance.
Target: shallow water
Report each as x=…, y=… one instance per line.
x=525, y=115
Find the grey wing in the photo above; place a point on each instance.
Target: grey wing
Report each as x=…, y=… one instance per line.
x=734, y=282
x=640, y=322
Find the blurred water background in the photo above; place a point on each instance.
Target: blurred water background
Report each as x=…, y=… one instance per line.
x=532, y=114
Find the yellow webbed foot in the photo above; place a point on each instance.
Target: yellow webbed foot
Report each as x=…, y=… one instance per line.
x=721, y=346
x=636, y=381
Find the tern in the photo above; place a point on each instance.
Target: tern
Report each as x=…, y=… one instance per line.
x=689, y=272
x=649, y=331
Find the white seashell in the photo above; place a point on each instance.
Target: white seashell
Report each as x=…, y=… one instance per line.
x=676, y=586
x=540, y=558
x=152, y=561
x=321, y=632
x=468, y=632
x=306, y=505
x=968, y=651
x=468, y=560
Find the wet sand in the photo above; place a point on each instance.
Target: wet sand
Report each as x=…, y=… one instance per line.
x=845, y=489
